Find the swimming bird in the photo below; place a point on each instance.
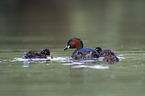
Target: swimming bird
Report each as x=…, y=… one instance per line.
x=111, y=59
x=80, y=52
x=34, y=54
x=108, y=54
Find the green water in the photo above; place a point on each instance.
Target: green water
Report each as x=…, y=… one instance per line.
x=52, y=78
x=117, y=25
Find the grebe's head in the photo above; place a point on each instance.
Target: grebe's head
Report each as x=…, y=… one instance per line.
x=98, y=49
x=47, y=52
x=74, y=43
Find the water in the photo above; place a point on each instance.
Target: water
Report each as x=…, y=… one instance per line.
x=61, y=76
x=108, y=24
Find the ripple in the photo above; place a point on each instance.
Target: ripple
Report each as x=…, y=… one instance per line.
x=73, y=63
x=32, y=59
x=93, y=67
x=66, y=61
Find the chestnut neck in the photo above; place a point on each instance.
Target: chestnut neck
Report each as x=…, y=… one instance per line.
x=78, y=44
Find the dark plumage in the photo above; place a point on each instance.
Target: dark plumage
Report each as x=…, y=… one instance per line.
x=111, y=59
x=108, y=54
x=34, y=54
x=80, y=52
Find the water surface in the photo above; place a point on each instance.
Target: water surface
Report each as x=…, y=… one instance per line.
x=62, y=77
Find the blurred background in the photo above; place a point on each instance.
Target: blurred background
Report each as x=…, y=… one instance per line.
x=107, y=23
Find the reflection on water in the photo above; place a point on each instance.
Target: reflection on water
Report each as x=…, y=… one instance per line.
x=93, y=67
x=69, y=76
x=26, y=63
x=68, y=61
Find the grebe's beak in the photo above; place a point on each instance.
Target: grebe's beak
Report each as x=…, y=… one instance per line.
x=51, y=55
x=67, y=47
